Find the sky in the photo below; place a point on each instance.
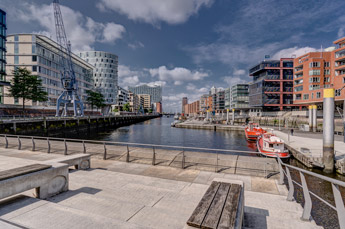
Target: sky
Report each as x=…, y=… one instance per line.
x=187, y=46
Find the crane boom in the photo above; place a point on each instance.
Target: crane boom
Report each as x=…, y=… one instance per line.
x=68, y=79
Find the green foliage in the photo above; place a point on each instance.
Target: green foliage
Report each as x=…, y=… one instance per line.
x=150, y=111
x=95, y=99
x=126, y=107
x=116, y=110
x=27, y=86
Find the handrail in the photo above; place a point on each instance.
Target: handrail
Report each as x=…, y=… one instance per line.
x=127, y=144
x=339, y=204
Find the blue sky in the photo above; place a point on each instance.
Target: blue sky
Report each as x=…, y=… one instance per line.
x=186, y=45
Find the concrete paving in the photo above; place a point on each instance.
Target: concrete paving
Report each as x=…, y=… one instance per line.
x=115, y=194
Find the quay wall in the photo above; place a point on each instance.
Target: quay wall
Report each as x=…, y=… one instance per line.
x=47, y=126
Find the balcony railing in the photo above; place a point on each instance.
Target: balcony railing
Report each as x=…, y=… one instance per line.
x=271, y=101
x=272, y=77
x=288, y=77
x=272, y=89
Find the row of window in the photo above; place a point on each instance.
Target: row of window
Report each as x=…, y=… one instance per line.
x=98, y=54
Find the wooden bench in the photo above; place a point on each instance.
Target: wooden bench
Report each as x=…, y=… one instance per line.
x=79, y=161
x=221, y=207
x=47, y=179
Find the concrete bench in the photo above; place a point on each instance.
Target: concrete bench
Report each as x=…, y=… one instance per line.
x=79, y=161
x=47, y=179
x=222, y=206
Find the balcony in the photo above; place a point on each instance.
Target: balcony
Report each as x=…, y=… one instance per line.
x=339, y=56
x=272, y=77
x=271, y=89
x=271, y=101
x=339, y=65
x=288, y=77
x=288, y=89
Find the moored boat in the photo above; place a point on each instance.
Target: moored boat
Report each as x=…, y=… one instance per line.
x=270, y=145
x=253, y=131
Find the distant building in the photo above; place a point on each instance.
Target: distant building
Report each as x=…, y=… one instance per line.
x=122, y=98
x=104, y=74
x=147, y=101
x=272, y=86
x=154, y=91
x=227, y=98
x=184, y=102
x=134, y=102
x=240, y=97
x=220, y=101
x=3, y=29
x=203, y=103
x=192, y=108
x=159, y=108
x=39, y=54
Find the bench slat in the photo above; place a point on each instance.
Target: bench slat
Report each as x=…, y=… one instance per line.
x=213, y=215
x=201, y=210
x=228, y=217
x=11, y=173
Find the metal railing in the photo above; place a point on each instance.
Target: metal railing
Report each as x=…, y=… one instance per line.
x=218, y=154
x=306, y=215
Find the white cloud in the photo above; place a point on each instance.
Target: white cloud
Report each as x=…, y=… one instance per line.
x=295, y=51
x=239, y=72
x=178, y=75
x=82, y=31
x=155, y=11
x=157, y=83
x=233, y=80
x=128, y=77
x=136, y=45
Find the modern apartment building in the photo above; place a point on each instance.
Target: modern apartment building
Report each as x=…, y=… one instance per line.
x=105, y=74
x=239, y=97
x=315, y=71
x=272, y=86
x=220, y=101
x=184, y=102
x=154, y=91
x=39, y=54
x=203, y=103
x=3, y=29
x=134, y=102
x=122, y=98
x=312, y=73
x=227, y=98
x=147, y=101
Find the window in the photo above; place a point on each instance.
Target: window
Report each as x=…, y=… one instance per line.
x=34, y=58
x=16, y=100
x=16, y=48
x=327, y=71
x=16, y=59
x=314, y=72
x=314, y=87
x=327, y=64
x=34, y=68
x=337, y=92
x=327, y=79
x=314, y=79
x=16, y=38
x=318, y=95
x=33, y=48
x=306, y=96
x=314, y=64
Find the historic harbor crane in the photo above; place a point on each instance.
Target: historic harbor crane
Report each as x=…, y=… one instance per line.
x=68, y=79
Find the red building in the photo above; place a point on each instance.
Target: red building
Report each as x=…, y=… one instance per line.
x=192, y=108
x=159, y=108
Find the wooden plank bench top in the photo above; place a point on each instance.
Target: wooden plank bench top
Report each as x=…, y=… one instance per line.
x=11, y=173
x=218, y=207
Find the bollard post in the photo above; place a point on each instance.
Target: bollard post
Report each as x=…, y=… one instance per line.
x=328, y=130
x=19, y=143
x=105, y=152
x=217, y=163
x=33, y=143
x=310, y=118
x=314, y=108
x=65, y=152
x=6, y=141
x=227, y=116
x=233, y=117
x=48, y=151
x=84, y=147
x=127, y=156
x=183, y=159
x=153, y=156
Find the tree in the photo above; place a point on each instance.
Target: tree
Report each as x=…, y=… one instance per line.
x=126, y=107
x=95, y=99
x=27, y=87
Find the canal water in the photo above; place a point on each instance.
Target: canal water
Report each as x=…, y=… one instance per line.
x=158, y=131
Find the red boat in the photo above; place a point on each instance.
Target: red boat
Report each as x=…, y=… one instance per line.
x=270, y=145
x=253, y=131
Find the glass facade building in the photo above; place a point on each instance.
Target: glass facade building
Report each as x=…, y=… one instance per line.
x=239, y=96
x=3, y=29
x=154, y=91
x=105, y=74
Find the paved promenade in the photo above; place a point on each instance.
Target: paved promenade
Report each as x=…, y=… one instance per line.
x=115, y=194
